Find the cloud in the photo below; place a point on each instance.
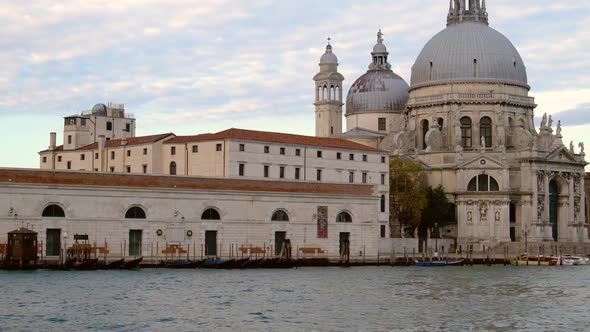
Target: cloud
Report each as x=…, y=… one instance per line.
x=193, y=64
x=574, y=117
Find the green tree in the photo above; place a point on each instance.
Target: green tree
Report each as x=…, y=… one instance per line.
x=437, y=212
x=407, y=195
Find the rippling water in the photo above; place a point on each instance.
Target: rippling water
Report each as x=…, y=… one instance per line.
x=305, y=299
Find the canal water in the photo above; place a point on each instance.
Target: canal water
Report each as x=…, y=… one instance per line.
x=305, y=299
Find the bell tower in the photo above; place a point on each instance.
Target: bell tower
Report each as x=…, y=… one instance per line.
x=328, y=96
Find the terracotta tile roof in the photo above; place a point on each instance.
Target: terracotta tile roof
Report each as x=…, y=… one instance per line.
x=93, y=179
x=264, y=136
x=57, y=148
x=130, y=141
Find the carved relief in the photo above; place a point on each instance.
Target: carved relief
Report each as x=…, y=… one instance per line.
x=577, y=208
x=469, y=216
x=497, y=216
x=540, y=206
x=577, y=184
x=483, y=211
x=541, y=181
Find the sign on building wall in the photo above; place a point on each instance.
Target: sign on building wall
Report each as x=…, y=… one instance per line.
x=322, y=222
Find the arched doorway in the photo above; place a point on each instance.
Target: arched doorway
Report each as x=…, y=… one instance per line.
x=553, y=207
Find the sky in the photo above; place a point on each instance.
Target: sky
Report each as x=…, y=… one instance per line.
x=190, y=67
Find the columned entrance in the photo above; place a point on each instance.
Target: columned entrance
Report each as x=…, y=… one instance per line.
x=553, y=208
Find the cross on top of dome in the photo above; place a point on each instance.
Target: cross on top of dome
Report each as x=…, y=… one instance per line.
x=467, y=11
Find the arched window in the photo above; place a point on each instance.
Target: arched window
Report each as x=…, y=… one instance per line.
x=466, y=132
x=337, y=96
x=483, y=182
x=173, y=168
x=425, y=126
x=280, y=215
x=344, y=217
x=382, y=203
x=441, y=122
x=485, y=130
x=54, y=211
x=210, y=214
x=325, y=93
x=319, y=93
x=135, y=212
x=332, y=93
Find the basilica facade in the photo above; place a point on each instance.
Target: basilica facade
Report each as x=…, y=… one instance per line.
x=467, y=117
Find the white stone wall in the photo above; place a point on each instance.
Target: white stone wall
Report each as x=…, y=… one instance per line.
x=245, y=217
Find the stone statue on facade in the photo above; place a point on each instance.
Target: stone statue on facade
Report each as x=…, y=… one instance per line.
x=500, y=136
x=483, y=142
x=483, y=211
x=457, y=130
x=544, y=121
x=550, y=124
x=581, y=146
x=558, y=131
x=497, y=216
x=572, y=147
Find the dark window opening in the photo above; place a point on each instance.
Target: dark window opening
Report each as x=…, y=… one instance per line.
x=135, y=212
x=218, y=147
x=109, y=126
x=466, y=139
x=381, y=124
x=344, y=217
x=241, y=169
x=280, y=215
x=54, y=211
x=266, y=171
x=173, y=168
x=485, y=130
x=210, y=214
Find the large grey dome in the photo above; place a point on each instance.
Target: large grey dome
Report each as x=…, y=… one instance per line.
x=379, y=91
x=469, y=51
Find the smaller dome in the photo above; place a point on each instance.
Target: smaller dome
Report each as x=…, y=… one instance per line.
x=329, y=58
x=377, y=91
x=99, y=109
x=379, y=48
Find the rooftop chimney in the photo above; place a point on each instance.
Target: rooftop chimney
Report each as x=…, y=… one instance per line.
x=52, y=141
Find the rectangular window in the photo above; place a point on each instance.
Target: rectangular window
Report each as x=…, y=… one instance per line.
x=59, y=158
x=242, y=147
x=82, y=157
x=365, y=158
x=282, y=151
x=382, y=230
x=297, y=170
x=44, y=159
x=69, y=139
x=109, y=126
x=282, y=172
x=365, y=178
x=53, y=242
x=382, y=125
x=338, y=155
x=241, y=169
x=382, y=179
x=83, y=122
x=70, y=121
x=144, y=151
x=173, y=150
x=267, y=149
x=112, y=168
x=69, y=165
x=266, y=168
x=112, y=155
x=351, y=156
x=382, y=159
x=319, y=175
x=128, y=169
x=144, y=168
x=351, y=177
x=195, y=148
x=297, y=152
x=96, y=155
x=128, y=153
x=135, y=236
x=218, y=147
x=319, y=154
x=128, y=127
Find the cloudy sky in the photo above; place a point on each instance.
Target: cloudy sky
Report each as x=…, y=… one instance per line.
x=194, y=66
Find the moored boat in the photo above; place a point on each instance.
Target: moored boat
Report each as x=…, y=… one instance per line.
x=133, y=264
x=525, y=260
x=458, y=262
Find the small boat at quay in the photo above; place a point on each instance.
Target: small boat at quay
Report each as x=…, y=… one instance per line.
x=572, y=260
x=525, y=260
x=132, y=265
x=458, y=262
